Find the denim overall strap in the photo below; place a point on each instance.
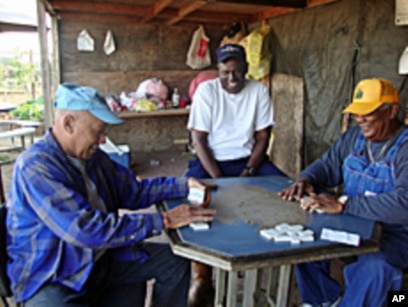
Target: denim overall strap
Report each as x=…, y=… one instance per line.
x=363, y=177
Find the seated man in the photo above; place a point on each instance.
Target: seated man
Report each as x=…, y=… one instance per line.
x=371, y=160
x=66, y=242
x=230, y=121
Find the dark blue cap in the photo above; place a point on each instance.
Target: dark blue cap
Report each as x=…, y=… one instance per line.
x=227, y=51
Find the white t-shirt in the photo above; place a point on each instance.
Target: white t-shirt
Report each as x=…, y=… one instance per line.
x=231, y=119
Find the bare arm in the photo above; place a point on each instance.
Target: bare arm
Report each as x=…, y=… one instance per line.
x=200, y=142
x=258, y=153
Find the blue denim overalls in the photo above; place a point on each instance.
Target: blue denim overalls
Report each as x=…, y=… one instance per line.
x=368, y=279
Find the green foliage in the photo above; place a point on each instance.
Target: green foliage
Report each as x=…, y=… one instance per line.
x=19, y=71
x=31, y=110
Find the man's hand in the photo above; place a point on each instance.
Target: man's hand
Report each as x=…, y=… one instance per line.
x=185, y=214
x=207, y=187
x=296, y=191
x=325, y=202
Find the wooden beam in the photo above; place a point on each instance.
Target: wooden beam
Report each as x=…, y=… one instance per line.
x=45, y=71
x=311, y=3
x=55, y=66
x=100, y=18
x=270, y=13
x=48, y=7
x=187, y=9
x=101, y=7
x=161, y=19
x=210, y=17
x=285, y=3
x=156, y=9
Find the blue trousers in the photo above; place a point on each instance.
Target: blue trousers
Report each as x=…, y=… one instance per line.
x=232, y=168
x=367, y=280
x=119, y=283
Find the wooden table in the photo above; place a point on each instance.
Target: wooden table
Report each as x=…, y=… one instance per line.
x=6, y=107
x=233, y=243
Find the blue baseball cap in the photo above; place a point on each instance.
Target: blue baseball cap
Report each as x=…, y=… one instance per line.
x=81, y=98
x=227, y=51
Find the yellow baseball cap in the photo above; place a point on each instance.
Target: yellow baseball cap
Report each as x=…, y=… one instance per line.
x=370, y=94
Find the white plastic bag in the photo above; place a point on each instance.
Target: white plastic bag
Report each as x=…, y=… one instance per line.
x=85, y=42
x=109, y=44
x=198, y=55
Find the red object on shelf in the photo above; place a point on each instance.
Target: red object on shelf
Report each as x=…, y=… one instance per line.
x=183, y=103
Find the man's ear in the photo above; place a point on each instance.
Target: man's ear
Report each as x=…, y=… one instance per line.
x=69, y=122
x=394, y=110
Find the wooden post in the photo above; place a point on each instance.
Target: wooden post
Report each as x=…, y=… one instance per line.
x=45, y=71
x=56, y=78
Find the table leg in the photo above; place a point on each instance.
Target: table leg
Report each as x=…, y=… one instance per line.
x=220, y=276
x=232, y=289
x=283, y=285
x=250, y=283
x=23, y=142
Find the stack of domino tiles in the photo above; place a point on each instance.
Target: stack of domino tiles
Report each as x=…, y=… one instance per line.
x=288, y=233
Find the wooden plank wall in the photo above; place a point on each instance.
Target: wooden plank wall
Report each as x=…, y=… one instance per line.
x=287, y=94
x=147, y=134
x=142, y=52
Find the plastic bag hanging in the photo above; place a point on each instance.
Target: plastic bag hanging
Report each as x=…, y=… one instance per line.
x=198, y=55
x=85, y=42
x=109, y=44
x=403, y=63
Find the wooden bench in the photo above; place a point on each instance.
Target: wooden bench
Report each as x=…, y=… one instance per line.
x=19, y=132
x=13, y=129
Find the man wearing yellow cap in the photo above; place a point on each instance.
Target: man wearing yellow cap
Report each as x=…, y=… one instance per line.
x=371, y=161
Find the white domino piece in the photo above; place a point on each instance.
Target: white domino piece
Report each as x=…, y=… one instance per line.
x=197, y=226
x=282, y=227
x=196, y=195
x=283, y=238
x=320, y=211
x=296, y=228
x=340, y=236
x=307, y=238
x=307, y=232
x=284, y=232
x=269, y=234
x=295, y=239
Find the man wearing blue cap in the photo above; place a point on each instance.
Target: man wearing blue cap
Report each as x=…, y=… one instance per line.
x=67, y=244
x=230, y=122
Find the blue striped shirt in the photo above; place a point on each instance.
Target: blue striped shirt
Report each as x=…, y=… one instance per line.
x=54, y=233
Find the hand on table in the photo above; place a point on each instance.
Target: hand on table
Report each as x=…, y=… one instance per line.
x=325, y=202
x=297, y=190
x=185, y=214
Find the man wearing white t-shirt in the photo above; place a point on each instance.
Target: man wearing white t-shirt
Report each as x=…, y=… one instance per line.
x=230, y=122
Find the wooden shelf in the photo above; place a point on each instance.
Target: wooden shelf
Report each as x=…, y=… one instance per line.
x=160, y=113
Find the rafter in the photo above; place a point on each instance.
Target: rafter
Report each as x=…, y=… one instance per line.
x=100, y=7
x=164, y=12
x=187, y=9
x=311, y=3
x=100, y=18
x=275, y=12
x=283, y=3
x=211, y=17
x=159, y=6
